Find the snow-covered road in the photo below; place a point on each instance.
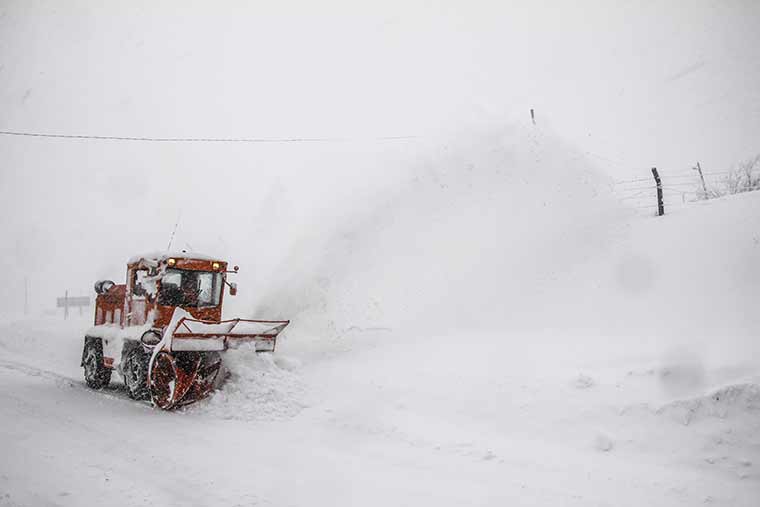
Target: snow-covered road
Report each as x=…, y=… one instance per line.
x=371, y=435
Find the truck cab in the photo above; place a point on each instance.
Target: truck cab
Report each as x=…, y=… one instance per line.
x=156, y=284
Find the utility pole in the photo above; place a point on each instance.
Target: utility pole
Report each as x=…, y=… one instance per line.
x=701, y=177
x=532, y=117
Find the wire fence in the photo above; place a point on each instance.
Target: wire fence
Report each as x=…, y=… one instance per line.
x=679, y=189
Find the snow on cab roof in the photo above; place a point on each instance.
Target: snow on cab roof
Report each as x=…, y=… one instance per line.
x=160, y=256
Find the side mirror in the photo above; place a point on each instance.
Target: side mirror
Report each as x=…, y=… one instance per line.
x=150, y=339
x=233, y=289
x=103, y=286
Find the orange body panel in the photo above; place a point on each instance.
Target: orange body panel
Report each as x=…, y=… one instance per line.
x=109, y=307
x=120, y=306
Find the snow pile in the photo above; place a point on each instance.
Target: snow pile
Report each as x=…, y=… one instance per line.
x=733, y=401
x=583, y=382
x=259, y=386
x=603, y=442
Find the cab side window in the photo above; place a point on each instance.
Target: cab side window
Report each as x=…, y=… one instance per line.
x=139, y=284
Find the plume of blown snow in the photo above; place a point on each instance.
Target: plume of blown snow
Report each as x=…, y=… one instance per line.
x=482, y=229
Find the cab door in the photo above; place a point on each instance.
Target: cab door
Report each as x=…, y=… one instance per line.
x=137, y=297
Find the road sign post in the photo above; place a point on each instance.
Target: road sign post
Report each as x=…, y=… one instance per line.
x=65, y=302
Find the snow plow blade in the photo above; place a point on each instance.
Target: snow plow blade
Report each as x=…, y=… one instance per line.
x=194, y=335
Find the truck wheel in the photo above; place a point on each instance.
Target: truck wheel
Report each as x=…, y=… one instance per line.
x=96, y=374
x=163, y=380
x=135, y=368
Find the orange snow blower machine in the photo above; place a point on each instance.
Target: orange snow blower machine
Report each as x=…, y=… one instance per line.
x=163, y=332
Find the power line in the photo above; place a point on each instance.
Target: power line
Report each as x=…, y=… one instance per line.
x=202, y=139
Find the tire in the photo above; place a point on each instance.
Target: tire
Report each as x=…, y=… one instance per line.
x=96, y=374
x=135, y=369
x=163, y=378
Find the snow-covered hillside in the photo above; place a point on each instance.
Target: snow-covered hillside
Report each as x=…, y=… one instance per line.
x=493, y=329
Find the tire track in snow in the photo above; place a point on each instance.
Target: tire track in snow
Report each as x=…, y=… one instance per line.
x=62, y=381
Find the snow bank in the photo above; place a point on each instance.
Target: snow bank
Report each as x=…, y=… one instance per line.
x=738, y=400
x=259, y=386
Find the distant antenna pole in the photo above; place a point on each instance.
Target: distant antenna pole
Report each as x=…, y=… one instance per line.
x=701, y=177
x=660, y=204
x=532, y=117
x=171, y=238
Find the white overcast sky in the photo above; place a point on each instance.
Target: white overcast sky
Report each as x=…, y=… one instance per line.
x=642, y=83
x=635, y=84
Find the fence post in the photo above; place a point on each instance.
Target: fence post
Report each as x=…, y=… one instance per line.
x=701, y=177
x=660, y=204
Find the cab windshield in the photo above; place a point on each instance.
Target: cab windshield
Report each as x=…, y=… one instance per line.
x=194, y=289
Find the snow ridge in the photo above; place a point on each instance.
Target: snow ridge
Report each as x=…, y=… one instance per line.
x=721, y=403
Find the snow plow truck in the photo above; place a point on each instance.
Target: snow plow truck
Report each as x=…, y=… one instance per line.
x=163, y=332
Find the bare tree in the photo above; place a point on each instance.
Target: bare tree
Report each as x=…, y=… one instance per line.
x=745, y=177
